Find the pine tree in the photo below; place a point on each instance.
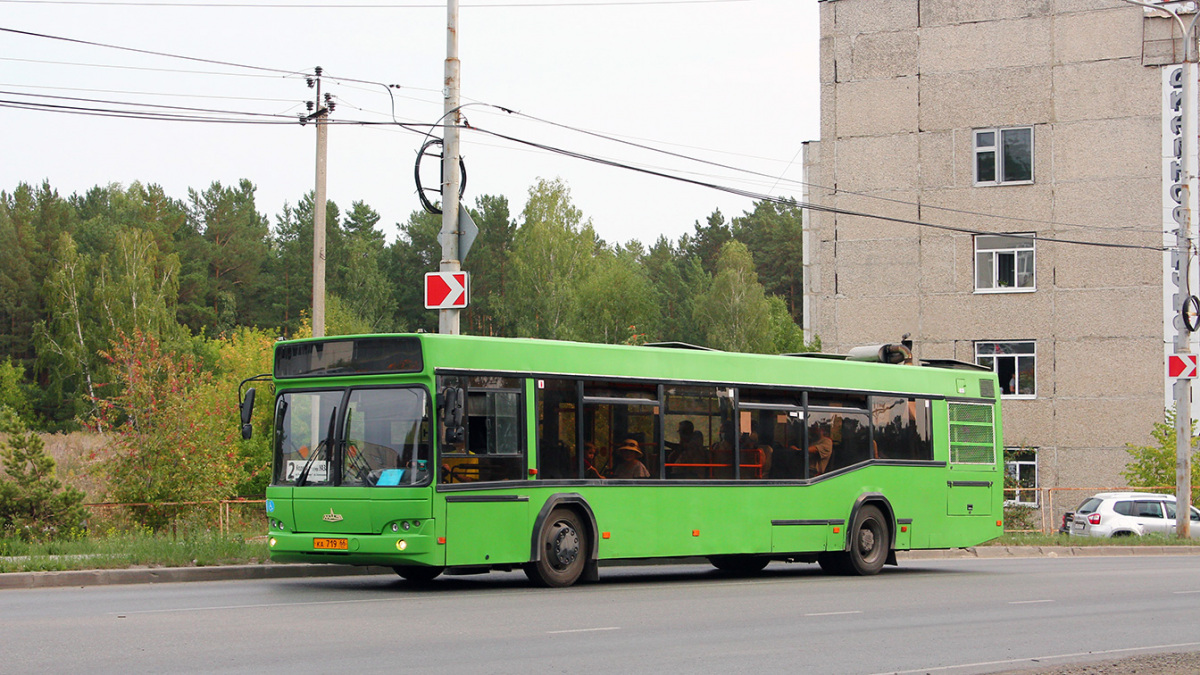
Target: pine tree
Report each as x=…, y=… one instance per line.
x=34, y=504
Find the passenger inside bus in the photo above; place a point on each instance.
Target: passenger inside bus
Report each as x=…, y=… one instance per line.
x=788, y=460
x=590, y=471
x=722, y=452
x=688, y=452
x=630, y=465
x=820, y=448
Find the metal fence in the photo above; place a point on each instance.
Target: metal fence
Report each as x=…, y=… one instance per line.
x=229, y=516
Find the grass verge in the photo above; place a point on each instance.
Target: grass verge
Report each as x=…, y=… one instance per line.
x=1036, y=539
x=125, y=550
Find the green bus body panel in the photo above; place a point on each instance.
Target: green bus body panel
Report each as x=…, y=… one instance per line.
x=487, y=533
x=493, y=523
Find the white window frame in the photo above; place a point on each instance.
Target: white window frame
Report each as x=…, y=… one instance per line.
x=1013, y=467
x=1016, y=357
x=992, y=248
x=996, y=147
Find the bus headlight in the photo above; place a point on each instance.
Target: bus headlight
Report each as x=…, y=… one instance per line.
x=272, y=542
x=405, y=525
x=396, y=528
x=401, y=544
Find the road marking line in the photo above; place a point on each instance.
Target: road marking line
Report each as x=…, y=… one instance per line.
x=1035, y=659
x=1184, y=592
x=832, y=613
x=1029, y=602
x=258, y=606
x=581, y=630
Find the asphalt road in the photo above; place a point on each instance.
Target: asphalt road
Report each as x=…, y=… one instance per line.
x=928, y=616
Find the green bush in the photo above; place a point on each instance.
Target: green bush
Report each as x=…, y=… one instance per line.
x=34, y=504
x=1154, y=465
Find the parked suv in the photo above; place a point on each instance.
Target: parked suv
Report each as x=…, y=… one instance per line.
x=1118, y=514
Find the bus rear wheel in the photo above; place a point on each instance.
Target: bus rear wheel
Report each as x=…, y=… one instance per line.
x=870, y=540
x=419, y=574
x=739, y=564
x=564, y=550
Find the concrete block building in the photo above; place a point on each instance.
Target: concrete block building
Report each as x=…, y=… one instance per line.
x=1001, y=117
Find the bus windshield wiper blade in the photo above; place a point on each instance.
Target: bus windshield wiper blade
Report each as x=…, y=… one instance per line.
x=303, y=477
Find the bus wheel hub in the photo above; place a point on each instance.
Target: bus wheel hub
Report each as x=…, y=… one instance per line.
x=566, y=546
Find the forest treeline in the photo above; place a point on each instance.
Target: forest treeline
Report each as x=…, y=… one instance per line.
x=84, y=275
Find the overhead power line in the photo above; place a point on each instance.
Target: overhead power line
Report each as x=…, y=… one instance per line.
x=149, y=52
x=134, y=114
x=808, y=205
x=147, y=105
x=411, y=127
x=143, y=68
x=147, y=93
x=778, y=179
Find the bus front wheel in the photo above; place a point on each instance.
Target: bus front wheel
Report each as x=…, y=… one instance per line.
x=563, y=548
x=419, y=574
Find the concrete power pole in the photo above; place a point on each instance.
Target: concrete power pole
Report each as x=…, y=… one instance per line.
x=448, y=319
x=323, y=108
x=1183, y=216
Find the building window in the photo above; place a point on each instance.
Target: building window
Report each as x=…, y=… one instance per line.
x=1004, y=263
x=1020, y=476
x=1004, y=156
x=1015, y=364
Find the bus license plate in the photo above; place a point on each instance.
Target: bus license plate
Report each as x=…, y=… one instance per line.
x=324, y=544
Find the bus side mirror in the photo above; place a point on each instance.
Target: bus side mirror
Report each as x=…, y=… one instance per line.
x=453, y=405
x=246, y=407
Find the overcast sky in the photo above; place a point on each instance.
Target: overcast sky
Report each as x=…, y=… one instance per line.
x=729, y=81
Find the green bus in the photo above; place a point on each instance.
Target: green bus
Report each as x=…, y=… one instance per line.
x=460, y=454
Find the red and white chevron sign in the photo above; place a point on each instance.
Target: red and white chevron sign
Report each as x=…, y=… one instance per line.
x=1182, y=366
x=446, y=290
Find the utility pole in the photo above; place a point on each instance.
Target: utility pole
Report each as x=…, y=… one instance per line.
x=323, y=108
x=451, y=180
x=1182, y=177
x=1183, y=336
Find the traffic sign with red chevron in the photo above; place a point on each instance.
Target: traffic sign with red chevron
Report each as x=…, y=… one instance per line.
x=446, y=290
x=1182, y=366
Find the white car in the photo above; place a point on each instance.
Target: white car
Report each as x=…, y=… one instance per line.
x=1122, y=514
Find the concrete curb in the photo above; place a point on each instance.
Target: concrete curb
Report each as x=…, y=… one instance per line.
x=161, y=575
x=1046, y=552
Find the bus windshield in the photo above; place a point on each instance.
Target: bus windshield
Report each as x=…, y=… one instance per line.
x=381, y=437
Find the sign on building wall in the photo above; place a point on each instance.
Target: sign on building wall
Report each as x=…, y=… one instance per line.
x=1175, y=146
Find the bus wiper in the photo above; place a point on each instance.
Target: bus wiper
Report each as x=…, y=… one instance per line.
x=327, y=443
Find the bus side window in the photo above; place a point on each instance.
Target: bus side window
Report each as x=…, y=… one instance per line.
x=620, y=421
x=900, y=428
x=556, y=402
x=491, y=447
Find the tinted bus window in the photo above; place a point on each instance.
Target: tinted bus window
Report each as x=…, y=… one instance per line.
x=901, y=428
x=557, y=402
x=357, y=356
x=621, y=421
x=694, y=420
x=837, y=440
